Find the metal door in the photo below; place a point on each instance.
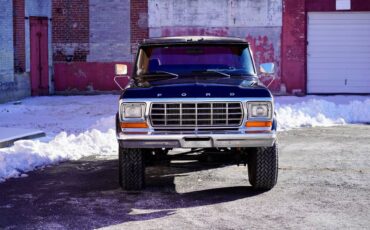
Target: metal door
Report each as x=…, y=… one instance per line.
x=39, y=56
x=338, y=53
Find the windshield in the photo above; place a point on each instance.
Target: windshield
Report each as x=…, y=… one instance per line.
x=183, y=60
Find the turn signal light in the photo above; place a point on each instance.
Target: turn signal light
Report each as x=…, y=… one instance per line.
x=134, y=125
x=258, y=124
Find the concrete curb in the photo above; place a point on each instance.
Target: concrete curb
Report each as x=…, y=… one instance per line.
x=11, y=135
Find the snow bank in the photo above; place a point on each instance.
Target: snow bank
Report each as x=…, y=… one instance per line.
x=56, y=114
x=312, y=112
x=80, y=126
x=27, y=155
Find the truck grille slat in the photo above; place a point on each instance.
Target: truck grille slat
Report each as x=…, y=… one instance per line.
x=197, y=114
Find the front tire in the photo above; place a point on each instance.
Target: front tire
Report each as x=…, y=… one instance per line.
x=263, y=167
x=131, y=169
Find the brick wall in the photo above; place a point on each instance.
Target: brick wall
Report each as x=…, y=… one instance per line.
x=294, y=46
x=6, y=41
x=97, y=33
x=19, y=36
x=109, y=31
x=139, y=23
x=70, y=32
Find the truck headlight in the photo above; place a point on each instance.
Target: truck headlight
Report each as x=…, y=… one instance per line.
x=132, y=110
x=261, y=110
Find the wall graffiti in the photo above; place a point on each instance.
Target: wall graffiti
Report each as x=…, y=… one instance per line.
x=264, y=52
x=8, y=86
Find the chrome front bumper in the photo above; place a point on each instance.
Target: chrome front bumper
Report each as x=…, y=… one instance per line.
x=196, y=139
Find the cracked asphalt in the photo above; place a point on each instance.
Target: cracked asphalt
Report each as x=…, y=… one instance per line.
x=324, y=183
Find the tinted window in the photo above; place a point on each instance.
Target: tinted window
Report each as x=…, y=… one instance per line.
x=233, y=59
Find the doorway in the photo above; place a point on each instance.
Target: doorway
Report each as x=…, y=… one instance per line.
x=39, y=56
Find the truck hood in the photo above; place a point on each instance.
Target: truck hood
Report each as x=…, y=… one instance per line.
x=197, y=90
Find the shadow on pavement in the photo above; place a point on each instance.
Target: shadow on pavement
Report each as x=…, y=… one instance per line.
x=85, y=195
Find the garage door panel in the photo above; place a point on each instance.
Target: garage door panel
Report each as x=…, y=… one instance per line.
x=339, y=16
x=333, y=66
x=338, y=53
x=341, y=43
x=340, y=36
x=341, y=82
x=327, y=89
x=348, y=52
x=338, y=60
x=332, y=75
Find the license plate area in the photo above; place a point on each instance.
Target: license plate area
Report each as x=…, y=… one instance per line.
x=201, y=142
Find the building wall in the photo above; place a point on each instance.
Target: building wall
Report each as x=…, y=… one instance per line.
x=109, y=31
x=19, y=36
x=14, y=81
x=17, y=89
x=6, y=41
x=294, y=46
x=259, y=22
x=70, y=29
x=139, y=23
x=39, y=8
x=97, y=35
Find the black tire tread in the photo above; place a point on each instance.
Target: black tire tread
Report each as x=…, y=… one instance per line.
x=131, y=169
x=263, y=168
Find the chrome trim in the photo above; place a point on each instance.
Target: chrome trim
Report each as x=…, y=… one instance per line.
x=244, y=102
x=196, y=110
x=133, y=119
x=270, y=107
x=210, y=139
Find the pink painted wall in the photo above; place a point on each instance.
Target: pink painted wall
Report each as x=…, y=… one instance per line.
x=86, y=76
x=258, y=22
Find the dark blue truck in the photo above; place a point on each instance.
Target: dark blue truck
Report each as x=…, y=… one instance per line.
x=198, y=93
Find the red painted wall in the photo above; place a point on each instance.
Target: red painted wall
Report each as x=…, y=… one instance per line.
x=262, y=45
x=293, y=48
x=86, y=76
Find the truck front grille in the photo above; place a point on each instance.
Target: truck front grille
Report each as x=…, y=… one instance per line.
x=196, y=114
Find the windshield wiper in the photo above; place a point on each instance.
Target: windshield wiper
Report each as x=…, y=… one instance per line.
x=168, y=73
x=213, y=71
x=159, y=74
x=219, y=72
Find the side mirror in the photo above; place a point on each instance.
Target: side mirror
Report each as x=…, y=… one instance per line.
x=121, y=72
x=121, y=69
x=267, y=68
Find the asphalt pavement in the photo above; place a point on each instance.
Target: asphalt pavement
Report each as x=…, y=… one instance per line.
x=324, y=183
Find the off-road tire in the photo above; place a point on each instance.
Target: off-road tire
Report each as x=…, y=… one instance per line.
x=263, y=167
x=131, y=169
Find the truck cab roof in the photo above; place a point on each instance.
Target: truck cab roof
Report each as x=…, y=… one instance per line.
x=193, y=40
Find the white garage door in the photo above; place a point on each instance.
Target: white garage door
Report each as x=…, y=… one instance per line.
x=338, y=53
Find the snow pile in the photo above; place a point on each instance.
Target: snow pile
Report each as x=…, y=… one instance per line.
x=104, y=124
x=81, y=126
x=27, y=155
x=319, y=112
x=53, y=115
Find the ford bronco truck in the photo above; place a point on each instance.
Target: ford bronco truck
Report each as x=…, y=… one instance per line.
x=197, y=93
